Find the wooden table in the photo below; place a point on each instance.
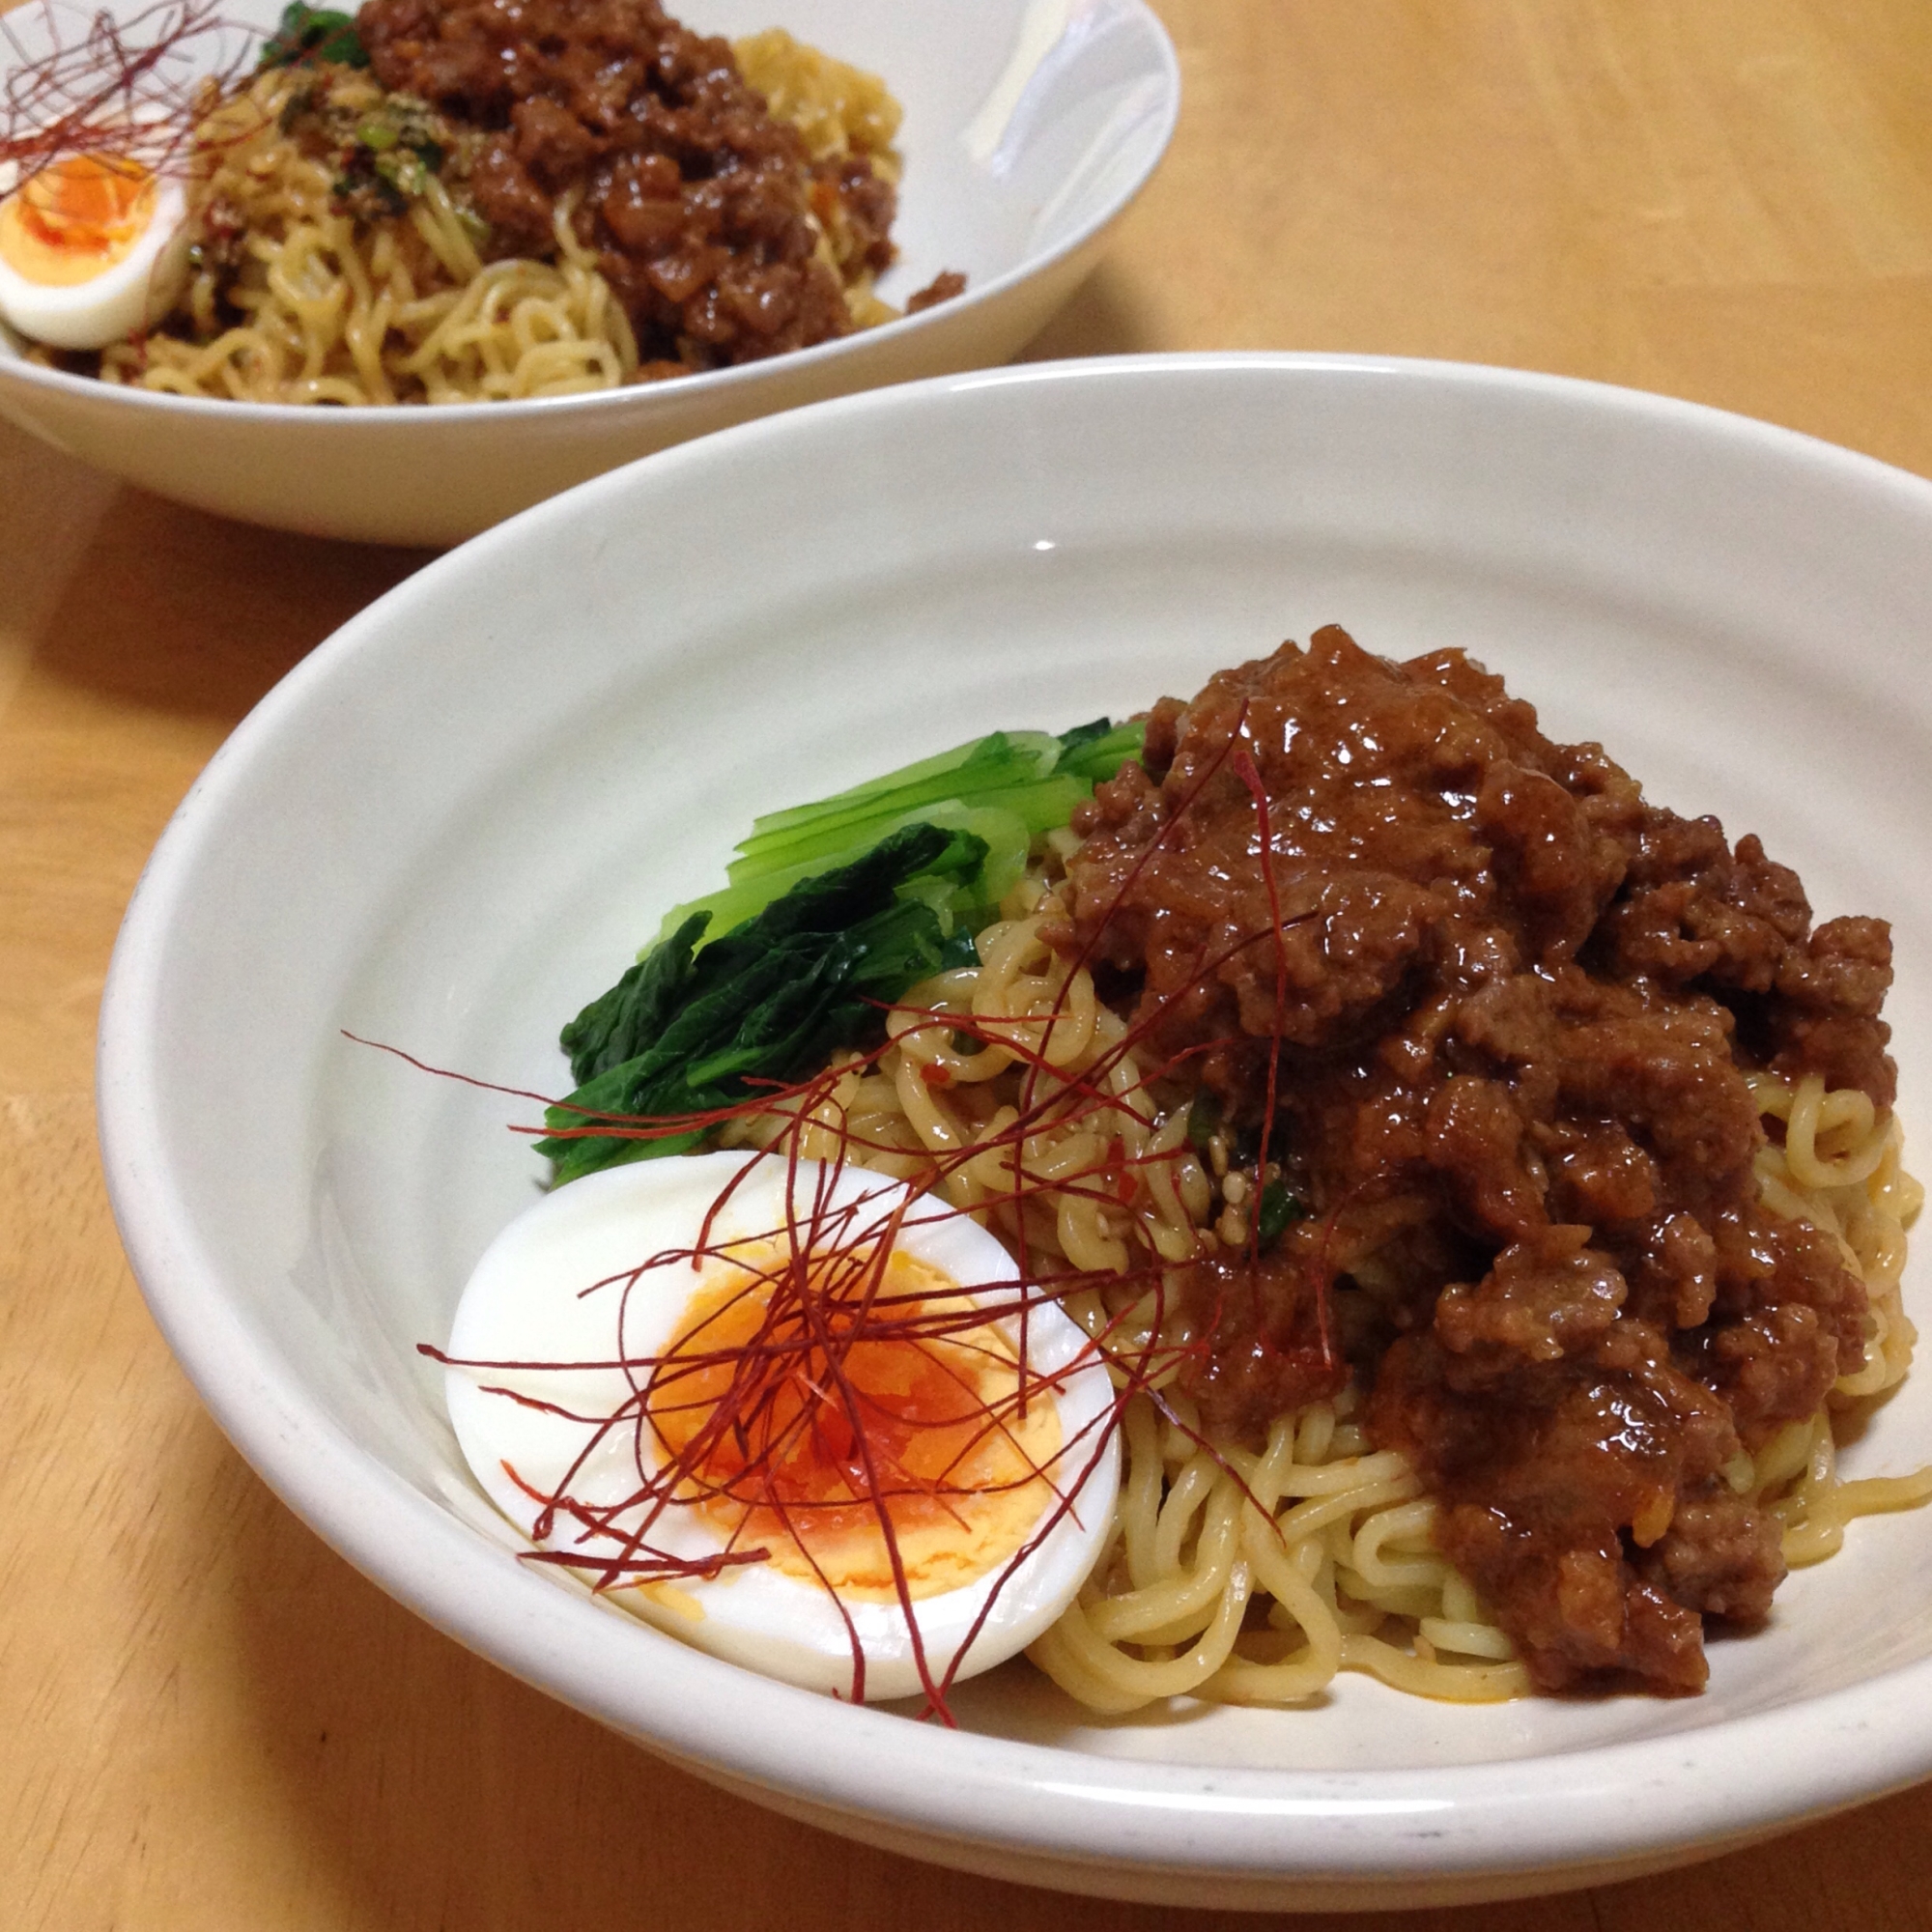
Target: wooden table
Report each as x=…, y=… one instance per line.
x=207, y=1720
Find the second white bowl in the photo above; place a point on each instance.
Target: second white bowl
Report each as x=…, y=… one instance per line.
x=1030, y=125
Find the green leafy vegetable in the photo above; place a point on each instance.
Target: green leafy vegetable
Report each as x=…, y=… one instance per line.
x=1276, y=1211
x=314, y=33
x=635, y=1011
x=406, y=171
x=1008, y=788
x=1097, y=750
x=687, y=1031
x=833, y=910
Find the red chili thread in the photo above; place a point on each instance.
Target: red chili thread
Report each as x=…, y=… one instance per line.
x=827, y=1298
x=124, y=89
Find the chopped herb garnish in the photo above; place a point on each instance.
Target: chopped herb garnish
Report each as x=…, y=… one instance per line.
x=366, y=194
x=387, y=156
x=405, y=171
x=1276, y=1211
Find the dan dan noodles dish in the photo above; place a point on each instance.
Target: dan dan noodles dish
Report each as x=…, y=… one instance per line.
x=1320, y=1178
x=441, y=201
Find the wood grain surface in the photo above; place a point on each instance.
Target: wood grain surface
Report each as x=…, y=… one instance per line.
x=206, y=1718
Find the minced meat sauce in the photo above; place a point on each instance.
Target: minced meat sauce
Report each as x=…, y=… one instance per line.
x=699, y=204
x=1511, y=1006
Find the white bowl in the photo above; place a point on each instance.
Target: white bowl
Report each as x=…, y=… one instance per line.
x=456, y=820
x=1030, y=125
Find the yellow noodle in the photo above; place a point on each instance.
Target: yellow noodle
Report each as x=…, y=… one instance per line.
x=1840, y=1168
x=838, y=110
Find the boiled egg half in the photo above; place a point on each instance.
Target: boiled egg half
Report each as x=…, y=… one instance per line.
x=782, y=1411
x=92, y=248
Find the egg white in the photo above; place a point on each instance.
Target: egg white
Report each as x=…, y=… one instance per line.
x=125, y=295
x=525, y=1304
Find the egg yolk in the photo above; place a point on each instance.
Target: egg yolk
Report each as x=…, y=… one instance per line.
x=76, y=219
x=760, y=1414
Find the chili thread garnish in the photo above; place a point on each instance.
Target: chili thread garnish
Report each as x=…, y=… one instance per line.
x=791, y=1378
x=127, y=91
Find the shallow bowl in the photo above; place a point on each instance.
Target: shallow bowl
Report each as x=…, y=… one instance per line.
x=457, y=819
x=1030, y=125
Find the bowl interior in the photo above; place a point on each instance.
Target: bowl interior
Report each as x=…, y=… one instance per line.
x=459, y=818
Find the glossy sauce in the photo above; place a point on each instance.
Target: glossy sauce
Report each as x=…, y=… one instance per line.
x=1504, y=1009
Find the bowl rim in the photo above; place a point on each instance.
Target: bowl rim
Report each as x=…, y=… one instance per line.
x=1649, y=1797
x=641, y=397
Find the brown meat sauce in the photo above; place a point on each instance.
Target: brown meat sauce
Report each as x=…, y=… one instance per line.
x=1514, y=1005
x=699, y=204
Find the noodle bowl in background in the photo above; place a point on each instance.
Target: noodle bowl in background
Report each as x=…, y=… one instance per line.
x=352, y=242
x=1097, y=122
